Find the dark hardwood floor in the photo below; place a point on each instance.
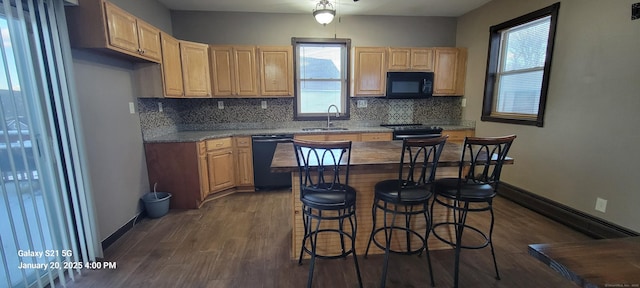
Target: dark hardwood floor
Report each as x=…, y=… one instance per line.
x=243, y=240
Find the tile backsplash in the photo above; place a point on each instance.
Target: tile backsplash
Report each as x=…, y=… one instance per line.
x=204, y=114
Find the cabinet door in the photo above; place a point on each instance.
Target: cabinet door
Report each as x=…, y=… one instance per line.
x=203, y=170
x=171, y=66
x=450, y=64
x=221, y=172
x=149, y=41
x=276, y=71
x=244, y=166
x=246, y=76
x=370, y=71
x=399, y=58
x=244, y=161
x=422, y=59
x=195, y=69
x=222, y=76
x=122, y=31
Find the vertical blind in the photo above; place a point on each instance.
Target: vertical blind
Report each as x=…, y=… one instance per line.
x=47, y=225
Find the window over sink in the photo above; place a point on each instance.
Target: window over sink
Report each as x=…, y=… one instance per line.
x=321, y=77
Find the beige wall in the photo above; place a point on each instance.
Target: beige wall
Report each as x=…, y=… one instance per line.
x=586, y=148
x=277, y=29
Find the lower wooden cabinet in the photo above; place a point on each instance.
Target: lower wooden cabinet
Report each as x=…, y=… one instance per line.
x=244, y=164
x=457, y=136
x=365, y=137
x=220, y=164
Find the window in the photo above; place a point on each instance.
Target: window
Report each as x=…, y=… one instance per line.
x=321, y=74
x=518, y=69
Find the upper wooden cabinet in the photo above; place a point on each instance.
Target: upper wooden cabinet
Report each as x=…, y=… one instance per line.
x=171, y=67
x=195, y=69
x=276, y=71
x=234, y=71
x=370, y=71
x=410, y=59
x=450, y=69
x=100, y=24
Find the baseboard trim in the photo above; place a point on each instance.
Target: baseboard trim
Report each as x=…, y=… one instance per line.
x=580, y=221
x=124, y=229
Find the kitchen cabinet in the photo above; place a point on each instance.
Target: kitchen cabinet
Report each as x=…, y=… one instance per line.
x=220, y=164
x=171, y=66
x=234, y=71
x=458, y=136
x=370, y=71
x=276, y=71
x=178, y=168
x=450, y=67
x=378, y=136
x=103, y=25
x=367, y=136
x=203, y=170
x=410, y=59
x=195, y=69
x=244, y=163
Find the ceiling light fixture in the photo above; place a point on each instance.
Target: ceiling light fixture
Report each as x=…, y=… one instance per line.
x=324, y=12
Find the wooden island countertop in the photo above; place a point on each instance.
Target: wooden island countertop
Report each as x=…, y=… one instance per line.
x=366, y=155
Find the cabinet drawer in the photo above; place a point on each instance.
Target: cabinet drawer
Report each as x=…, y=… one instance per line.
x=457, y=135
x=214, y=144
x=343, y=137
x=242, y=141
x=310, y=137
x=375, y=137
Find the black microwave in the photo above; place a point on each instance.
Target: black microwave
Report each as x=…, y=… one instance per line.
x=409, y=85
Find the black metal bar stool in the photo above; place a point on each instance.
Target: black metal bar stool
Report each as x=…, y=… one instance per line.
x=407, y=195
x=326, y=196
x=473, y=191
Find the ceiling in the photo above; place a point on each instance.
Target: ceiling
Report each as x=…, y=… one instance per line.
x=448, y=8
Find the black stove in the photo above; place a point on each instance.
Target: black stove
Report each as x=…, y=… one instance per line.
x=413, y=130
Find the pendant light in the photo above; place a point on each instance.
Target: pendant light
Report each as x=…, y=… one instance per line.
x=324, y=12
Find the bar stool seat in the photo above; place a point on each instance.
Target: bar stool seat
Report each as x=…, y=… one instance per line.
x=407, y=196
x=326, y=197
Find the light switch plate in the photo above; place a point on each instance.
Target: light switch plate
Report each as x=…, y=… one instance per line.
x=362, y=104
x=220, y=105
x=160, y=107
x=263, y=104
x=132, y=108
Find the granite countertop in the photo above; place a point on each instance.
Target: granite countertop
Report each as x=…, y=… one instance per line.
x=194, y=136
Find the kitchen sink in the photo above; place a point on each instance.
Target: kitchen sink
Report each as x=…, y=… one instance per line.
x=324, y=129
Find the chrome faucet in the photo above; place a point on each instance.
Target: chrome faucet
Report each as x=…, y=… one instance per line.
x=329, y=114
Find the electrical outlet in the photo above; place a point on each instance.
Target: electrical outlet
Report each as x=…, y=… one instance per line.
x=160, y=107
x=220, y=105
x=464, y=102
x=362, y=104
x=263, y=104
x=601, y=205
x=132, y=108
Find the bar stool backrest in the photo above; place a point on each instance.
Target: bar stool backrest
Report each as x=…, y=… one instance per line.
x=419, y=161
x=474, y=167
x=323, y=165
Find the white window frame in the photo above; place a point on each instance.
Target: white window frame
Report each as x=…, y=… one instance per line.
x=344, y=78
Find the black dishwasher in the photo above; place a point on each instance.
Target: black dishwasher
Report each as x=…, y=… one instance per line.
x=263, y=148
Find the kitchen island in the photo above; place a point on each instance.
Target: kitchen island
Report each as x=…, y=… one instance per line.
x=370, y=162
